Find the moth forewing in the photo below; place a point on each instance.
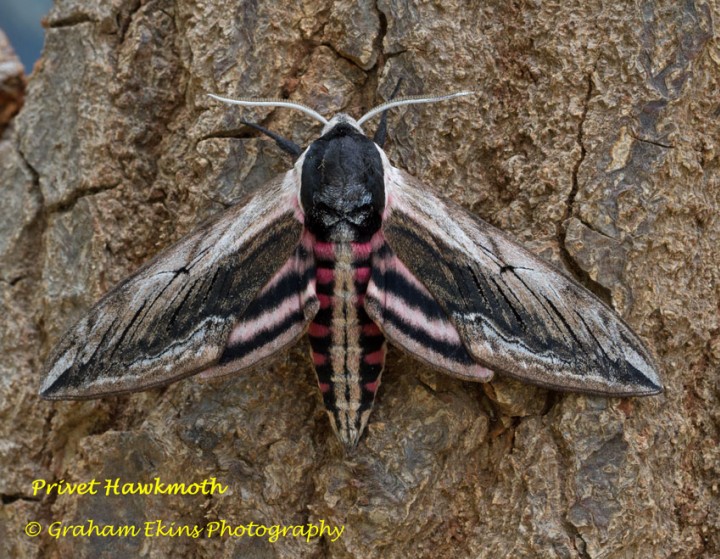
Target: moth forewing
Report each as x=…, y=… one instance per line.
x=515, y=313
x=172, y=317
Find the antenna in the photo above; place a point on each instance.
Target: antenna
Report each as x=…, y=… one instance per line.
x=271, y=103
x=416, y=99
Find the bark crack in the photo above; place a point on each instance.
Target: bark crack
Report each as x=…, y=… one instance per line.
x=70, y=21
x=33, y=173
x=578, y=541
x=127, y=21
x=338, y=53
x=572, y=266
x=569, y=491
x=653, y=142
x=583, y=152
x=69, y=203
x=7, y=499
x=591, y=228
x=380, y=39
x=12, y=282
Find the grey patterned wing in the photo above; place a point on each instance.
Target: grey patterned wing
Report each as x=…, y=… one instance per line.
x=173, y=317
x=515, y=313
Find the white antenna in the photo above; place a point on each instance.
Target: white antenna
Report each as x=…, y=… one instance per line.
x=271, y=103
x=411, y=101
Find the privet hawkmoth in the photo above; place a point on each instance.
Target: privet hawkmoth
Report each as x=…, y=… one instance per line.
x=355, y=252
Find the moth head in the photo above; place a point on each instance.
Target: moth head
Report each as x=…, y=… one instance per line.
x=340, y=176
x=342, y=185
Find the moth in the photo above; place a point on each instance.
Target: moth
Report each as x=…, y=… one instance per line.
x=354, y=252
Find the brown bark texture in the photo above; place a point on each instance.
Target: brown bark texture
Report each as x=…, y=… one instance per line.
x=594, y=139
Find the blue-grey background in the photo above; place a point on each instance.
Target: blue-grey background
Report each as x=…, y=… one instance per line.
x=20, y=20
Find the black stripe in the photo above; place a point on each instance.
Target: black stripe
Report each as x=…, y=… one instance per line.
x=324, y=373
x=533, y=334
x=377, y=277
x=324, y=317
x=324, y=262
x=456, y=353
x=110, y=329
x=321, y=345
x=592, y=334
x=384, y=252
x=172, y=324
x=118, y=344
x=370, y=373
x=262, y=338
x=254, y=266
x=371, y=344
x=308, y=273
x=509, y=304
x=409, y=231
x=398, y=285
x=325, y=288
x=363, y=316
x=580, y=345
x=287, y=286
x=209, y=290
x=481, y=286
x=329, y=401
x=157, y=297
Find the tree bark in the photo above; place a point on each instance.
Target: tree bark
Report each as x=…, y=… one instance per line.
x=593, y=140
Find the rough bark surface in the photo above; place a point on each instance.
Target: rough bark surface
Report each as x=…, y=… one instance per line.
x=594, y=140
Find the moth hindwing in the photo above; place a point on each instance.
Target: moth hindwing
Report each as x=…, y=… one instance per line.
x=355, y=252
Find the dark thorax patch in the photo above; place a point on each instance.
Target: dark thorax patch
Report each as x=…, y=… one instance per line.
x=343, y=191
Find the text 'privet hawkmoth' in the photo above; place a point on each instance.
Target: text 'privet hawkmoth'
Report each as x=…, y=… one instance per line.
x=355, y=252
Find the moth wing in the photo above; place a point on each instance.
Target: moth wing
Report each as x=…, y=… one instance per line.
x=276, y=318
x=411, y=318
x=173, y=317
x=515, y=313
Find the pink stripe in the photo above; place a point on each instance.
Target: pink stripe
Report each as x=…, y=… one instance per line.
x=308, y=240
x=436, y=328
x=254, y=356
x=319, y=358
x=362, y=275
x=361, y=250
x=290, y=265
x=324, y=387
x=378, y=239
x=324, y=250
x=372, y=386
x=318, y=330
x=400, y=268
x=248, y=330
x=325, y=300
x=371, y=329
x=325, y=275
x=375, y=358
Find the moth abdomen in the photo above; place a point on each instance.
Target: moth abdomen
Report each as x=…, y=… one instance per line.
x=348, y=349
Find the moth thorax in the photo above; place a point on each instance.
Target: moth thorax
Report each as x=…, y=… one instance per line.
x=343, y=190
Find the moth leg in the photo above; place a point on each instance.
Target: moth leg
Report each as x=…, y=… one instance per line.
x=381, y=132
x=288, y=146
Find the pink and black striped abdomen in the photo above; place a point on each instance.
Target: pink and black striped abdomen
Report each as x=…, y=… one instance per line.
x=348, y=348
